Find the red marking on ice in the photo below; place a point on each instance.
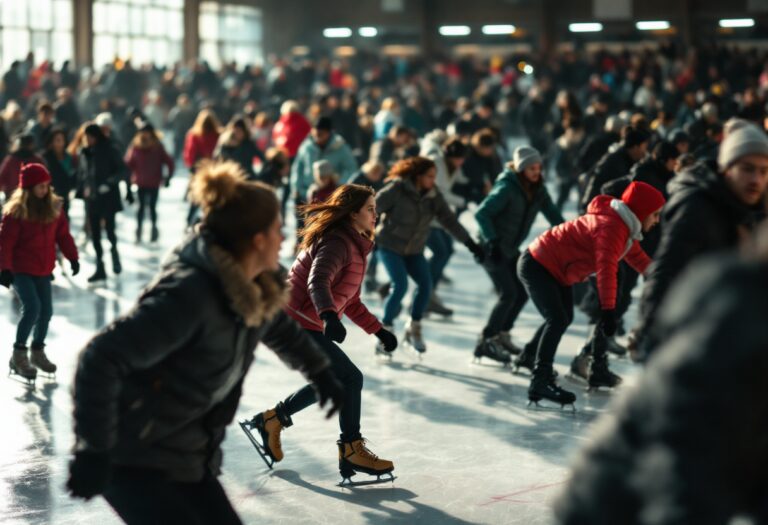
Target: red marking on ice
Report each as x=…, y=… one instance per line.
x=506, y=497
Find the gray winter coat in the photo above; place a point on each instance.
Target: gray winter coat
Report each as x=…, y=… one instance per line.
x=157, y=387
x=406, y=214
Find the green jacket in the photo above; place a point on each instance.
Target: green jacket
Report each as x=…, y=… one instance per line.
x=506, y=215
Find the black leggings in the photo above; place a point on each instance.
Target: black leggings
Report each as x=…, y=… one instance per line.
x=94, y=221
x=146, y=497
x=555, y=303
x=147, y=201
x=512, y=296
x=349, y=375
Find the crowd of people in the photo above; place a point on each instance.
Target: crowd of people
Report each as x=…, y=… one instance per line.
x=379, y=159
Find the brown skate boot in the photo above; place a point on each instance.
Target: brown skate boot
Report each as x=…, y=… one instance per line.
x=41, y=361
x=270, y=424
x=19, y=364
x=355, y=457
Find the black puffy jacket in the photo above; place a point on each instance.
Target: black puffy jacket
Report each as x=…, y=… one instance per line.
x=614, y=164
x=158, y=386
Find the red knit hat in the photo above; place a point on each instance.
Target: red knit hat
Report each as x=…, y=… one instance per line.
x=643, y=199
x=33, y=174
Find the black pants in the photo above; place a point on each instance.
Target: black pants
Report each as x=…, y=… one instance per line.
x=95, y=220
x=564, y=187
x=349, y=375
x=146, y=497
x=147, y=202
x=555, y=303
x=512, y=296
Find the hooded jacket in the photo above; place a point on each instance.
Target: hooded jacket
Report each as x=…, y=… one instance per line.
x=146, y=165
x=593, y=244
x=336, y=152
x=405, y=215
x=327, y=278
x=158, y=386
x=506, y=214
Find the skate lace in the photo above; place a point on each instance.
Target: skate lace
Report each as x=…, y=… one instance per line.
x=364, y=451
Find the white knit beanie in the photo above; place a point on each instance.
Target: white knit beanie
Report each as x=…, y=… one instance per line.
x=525, y=156
x=743, y=141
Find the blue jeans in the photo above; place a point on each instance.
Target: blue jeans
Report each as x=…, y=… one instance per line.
x=440, y=243
x=36, y=307
x=399, y=267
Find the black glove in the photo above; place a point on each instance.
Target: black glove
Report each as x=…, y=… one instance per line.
x=89, y=474
x=388, y=339
x=608, y=322
x=332, y=327
x=328, y=389
x=476, y=250
x=6, y=278
x=75, y=267
x=493, y=251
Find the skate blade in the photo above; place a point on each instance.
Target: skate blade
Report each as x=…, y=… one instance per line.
x=551, y=406
x=380, y=479
x=411, y=351
x=246, y=426
x=490, y=363
x=601, y=389
x=576, y=379
x=521, y=371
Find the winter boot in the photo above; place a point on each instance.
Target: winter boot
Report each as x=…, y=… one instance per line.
x=580, y=364
x=543, y=386
x=99, y=275
x=506, y=341
x=40, y=360
x=270, y=424
x=436, y=306
x=380, y=346
x=155, y=234
x=413, y=336
x=492, y=348
x=19, y=363
x=355, y=457
x=600, y=375
x=117, y=268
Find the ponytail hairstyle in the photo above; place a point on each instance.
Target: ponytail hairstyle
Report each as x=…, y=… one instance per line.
x=234, y=209
x=321, y=217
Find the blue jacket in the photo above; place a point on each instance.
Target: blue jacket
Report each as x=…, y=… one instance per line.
x=337, y=152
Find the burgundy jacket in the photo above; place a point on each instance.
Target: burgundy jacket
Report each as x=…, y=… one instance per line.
x=327, y=277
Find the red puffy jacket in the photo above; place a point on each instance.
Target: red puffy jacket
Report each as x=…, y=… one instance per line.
x=198, y=147
x=146, y=165
x=327, y=277
x=30, y=247
x=592, y=243
x=290, y=131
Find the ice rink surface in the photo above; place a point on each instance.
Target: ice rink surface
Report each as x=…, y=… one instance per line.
x=466, y=448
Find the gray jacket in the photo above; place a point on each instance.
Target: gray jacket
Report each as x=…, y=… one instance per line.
x=406, y=214
x=157, y=388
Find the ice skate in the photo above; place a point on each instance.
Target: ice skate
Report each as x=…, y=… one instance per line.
x=99, y=275
x=600, y=376
x=269, y=424
x=580, y=366
x=506, y=341
x=40, y=361
x=117, y=267
x=154, y=234
x=526, y=360
x=615, y=347
x=355, y=457
x=492, y=348
x=19, y=365
x=380, y=352
x=436, y=306
x=544, y=387
x=414, y=339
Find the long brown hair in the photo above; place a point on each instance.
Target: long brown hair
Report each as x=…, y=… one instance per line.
x=25, y=206
x=234, y=209
x=321, y=217
x=410, y=169
x=205, y=123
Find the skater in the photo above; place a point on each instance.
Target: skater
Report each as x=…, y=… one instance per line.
x=371, y=174
x=325, y=284
x=505, y=218
x=199, y=144
x=407, y=205
x=236, y=144
x=146, y=158
x=101, y=170
x=155, y=390
x=61, y=166
x=326, y=182
x=23, y=152
x=567, y=254
x=33, y=225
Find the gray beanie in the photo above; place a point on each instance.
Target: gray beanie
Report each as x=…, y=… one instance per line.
x=323, y=168
x=525, y=156
x=743, y=141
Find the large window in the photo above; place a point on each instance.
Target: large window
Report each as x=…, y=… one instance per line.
x=143, y=30
x=230, y=32
x=41, y=26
